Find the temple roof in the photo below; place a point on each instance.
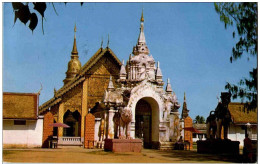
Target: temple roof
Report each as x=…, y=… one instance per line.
x=20, y=105
x=239, y=114
x=100, y=53
x=79, y=78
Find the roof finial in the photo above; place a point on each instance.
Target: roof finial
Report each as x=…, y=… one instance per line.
x=74, y=49
x=102, y=43
x=39, y=92
x=142, y=17
x=218, y=99
x=75, y=30
x=184, y=96
x=108, y=41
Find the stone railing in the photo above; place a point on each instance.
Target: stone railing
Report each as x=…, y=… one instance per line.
x=254, y=136
x=70, y=141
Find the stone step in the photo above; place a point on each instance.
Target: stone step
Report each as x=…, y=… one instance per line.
x=167, y=145
x=69, y=147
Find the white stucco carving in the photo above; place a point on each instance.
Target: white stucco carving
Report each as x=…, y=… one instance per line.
x=140, y=80
x=143, y=90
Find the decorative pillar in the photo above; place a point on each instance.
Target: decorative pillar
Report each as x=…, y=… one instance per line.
x=132, y=72
x=84, y=106
x=171, y=131
x=105, y=124
x=182, y=127
x=97, y=130
x=132, y=129
x=111, y=114
x=60, y=119
x=89, y=131
x=174, y=133
x=188, y=133
x=47, y=129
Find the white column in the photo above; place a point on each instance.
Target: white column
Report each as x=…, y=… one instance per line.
x=97, y=125
x=106, y=125
x=132, y=129
x=111, y=114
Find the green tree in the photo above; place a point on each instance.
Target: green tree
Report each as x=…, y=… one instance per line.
x=244, y=16
x=199, y=119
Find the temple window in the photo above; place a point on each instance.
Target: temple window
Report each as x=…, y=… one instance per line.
x=19, y=122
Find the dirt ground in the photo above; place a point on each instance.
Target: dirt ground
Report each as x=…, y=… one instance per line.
x=80, y=155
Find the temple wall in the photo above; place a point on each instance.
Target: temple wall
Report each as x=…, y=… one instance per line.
x=73, y=99
x=236, y=133
x=55, y=111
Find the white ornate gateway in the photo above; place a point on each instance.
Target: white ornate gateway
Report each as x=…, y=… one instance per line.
x=140, y=98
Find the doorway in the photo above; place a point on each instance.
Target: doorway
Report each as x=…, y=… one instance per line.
x=143, y=122
x=73, y=120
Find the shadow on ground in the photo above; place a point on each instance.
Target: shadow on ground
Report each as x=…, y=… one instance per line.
x=193, y=156
x=81, y=155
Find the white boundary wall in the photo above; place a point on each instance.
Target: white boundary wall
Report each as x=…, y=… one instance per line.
x=29, y=135
x=236, y=133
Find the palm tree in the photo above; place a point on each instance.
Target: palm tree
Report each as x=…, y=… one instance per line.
x=199, y=119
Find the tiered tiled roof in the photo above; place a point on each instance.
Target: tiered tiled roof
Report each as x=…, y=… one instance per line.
x=200, y=127
x=20, y=105
x=240, y=115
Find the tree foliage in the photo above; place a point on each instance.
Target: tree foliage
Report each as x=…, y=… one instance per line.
x=23, y=13
x=246, y=88
x=244, y=16
x=199, y=119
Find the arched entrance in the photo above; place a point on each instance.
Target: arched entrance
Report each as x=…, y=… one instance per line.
x=73, y=120
x=147, y=121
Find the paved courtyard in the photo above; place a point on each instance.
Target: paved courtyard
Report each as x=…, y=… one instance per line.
x=80, y=155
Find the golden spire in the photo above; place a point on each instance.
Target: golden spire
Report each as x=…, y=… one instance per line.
x=142, y=17
x=184, y=96
x=74, y=49
x=75, y=30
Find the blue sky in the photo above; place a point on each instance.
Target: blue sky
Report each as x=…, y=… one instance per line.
x=188, y=39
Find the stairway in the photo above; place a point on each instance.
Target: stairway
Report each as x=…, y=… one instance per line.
x=166, y=145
